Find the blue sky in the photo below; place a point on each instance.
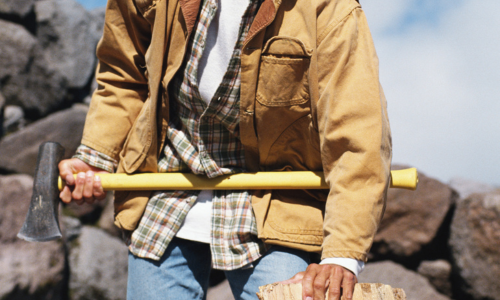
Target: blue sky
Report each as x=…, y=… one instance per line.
x=440, y=68
x=91, y=4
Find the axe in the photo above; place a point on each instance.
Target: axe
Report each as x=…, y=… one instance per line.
x=42, y=224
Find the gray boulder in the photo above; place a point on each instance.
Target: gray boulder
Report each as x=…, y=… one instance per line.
x=412, y=218
x=71, y=228
x=467, y=187
x=475, y=243
x=415, y=286
x=107, y=217
x=98, y=264
x=20, y=149
x=17, y=8
x=13, y=118
x=438, y=273
x=97, y=24
x=16, y=48
x=60, y=63
x=67, y=37
x=27, y=78
x=32, y=271
x=27, y=270
x=40, y=89
x=2, y=115
x=222, y=291
x=14, y=201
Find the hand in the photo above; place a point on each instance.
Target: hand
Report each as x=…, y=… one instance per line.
x=318, y=278
x=86, y=187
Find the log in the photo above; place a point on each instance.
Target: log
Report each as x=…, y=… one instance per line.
x=362, y=291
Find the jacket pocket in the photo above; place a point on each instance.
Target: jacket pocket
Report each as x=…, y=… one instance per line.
x=283, y=74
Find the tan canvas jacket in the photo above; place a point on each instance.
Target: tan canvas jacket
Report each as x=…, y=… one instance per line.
x=310, y=100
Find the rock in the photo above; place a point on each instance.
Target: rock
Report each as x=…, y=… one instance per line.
x=40, y=89
x=13, y=118
x=97, y=24
x=67, y=37
x=71, y=228
x=475, y=243
x=107, y=218
x=32, y=271
x=27, y=270
x=93, y=87
x=18, y=8
x=20, y=149
x=438, y=273
x=412, y=218
x=52, y=71
x=86, y=213
x=466, y=187
x=16, y=47
x=2, y=115
x=222, y=291
x=14, y=201
x=415, y=286
x=27, y=79
x=98, y=264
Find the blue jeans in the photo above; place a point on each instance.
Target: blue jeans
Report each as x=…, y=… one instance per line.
x=183, y=272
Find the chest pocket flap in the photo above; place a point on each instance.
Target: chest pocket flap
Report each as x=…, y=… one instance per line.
x=283, y=74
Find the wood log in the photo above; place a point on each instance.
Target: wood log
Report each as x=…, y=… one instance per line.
x=362, y=291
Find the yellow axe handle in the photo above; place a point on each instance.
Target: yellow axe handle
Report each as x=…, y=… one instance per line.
x=407, y=179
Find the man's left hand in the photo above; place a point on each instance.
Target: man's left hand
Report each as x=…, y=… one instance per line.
x=317, y=279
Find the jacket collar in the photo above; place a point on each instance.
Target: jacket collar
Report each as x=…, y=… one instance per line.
x=190, y=9
x=265, y=15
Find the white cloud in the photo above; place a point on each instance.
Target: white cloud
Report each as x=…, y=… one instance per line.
x=442, y=81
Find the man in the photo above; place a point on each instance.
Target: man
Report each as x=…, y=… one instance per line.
x=296, y=89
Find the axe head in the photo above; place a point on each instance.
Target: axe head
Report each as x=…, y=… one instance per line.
x=42, y=221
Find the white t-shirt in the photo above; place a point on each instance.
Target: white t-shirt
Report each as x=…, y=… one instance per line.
x=219, y=46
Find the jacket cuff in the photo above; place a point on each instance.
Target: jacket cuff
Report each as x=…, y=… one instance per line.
x=353, y=265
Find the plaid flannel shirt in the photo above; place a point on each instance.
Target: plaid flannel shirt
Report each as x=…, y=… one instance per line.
x=203, y=139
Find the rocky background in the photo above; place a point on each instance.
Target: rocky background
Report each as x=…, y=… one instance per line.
x=441, y=241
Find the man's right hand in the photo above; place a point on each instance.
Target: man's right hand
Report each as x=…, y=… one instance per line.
x=87, y=185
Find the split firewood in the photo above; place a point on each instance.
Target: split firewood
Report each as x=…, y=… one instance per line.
x=362, y=291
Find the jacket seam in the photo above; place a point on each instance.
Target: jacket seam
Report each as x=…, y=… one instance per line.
x=313, y=232
x=334, y=24
x=301, y=239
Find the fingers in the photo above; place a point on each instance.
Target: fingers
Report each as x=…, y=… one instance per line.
x=77, y=193
x=88, y=188
x=318, y=278
x=348, y=283
x=99, y=193
x=336, y=278
x=85, y=188
x=312, y=287
x=65, y=194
